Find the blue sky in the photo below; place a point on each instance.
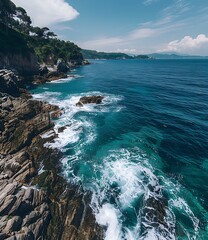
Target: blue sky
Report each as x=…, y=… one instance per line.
x=131, y=26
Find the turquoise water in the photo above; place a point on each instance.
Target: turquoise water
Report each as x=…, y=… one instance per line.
x=143, y=151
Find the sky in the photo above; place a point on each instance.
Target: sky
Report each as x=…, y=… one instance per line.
x=129, y=26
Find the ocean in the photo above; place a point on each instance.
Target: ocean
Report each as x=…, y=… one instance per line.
x=143, y=151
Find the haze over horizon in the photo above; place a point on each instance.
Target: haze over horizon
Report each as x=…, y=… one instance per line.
x=142, y=26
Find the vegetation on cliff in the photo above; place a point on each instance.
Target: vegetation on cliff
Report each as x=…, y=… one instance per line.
x=91, y=54
x=17, y=35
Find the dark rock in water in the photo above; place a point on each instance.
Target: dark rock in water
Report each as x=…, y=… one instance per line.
x=55, y=75
x=62, y=66
x=89, y=99
x=85, y=62
x=56, y=114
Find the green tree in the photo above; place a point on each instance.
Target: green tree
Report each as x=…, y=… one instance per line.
x=7, y=10
x=22, y=21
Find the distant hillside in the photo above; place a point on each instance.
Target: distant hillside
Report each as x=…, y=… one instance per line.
x=92, y=54
x=173, y=56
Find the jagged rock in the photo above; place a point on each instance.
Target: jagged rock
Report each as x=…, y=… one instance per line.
x=43, y=70
x=13, y=224
x=8, y=203
x=54, y=208
x=8, y=190
x=85, y=62
x=55, y=75
x=89, y=99
x=3, y=236
x=24, y=63
x=9, y=83
x=31, y=218
x=17, y=203
x=25, y=236
x=3, y=222
x=28, y=196
x=56, y=114
x=62, y=66
x=61, y=129
x=12, y=238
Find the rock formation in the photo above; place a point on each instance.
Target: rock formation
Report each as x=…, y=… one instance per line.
x=36, y=202
x=89, y=99
x=25, y=64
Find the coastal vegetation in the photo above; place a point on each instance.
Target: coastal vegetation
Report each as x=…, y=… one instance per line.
x=18, y=35
x=92, y=54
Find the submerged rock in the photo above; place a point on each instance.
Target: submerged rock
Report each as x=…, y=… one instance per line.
x=89, y=99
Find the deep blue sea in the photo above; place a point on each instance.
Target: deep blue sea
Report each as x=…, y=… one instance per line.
x=143, y=152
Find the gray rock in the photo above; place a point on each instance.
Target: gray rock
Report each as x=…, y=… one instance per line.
x=9, y=83
x=3, y=236
x=43, y=70
x=89, y=99
x=9, y=189
x=8, y=203
x=18, y=202
x=25, y=236
x=62, y=66
x=3, y=222
x=31, y=218
x=13, y=224
x=28, y=196
x=12, y=238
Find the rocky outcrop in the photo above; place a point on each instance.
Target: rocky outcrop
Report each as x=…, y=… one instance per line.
x=37, y=204
x=43, y=70
x=89, y=99
x=9, y=82
x=24, y=63
x=62, y=66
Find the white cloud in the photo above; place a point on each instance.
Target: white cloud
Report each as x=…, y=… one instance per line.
x=113, y=42
x=188, y=44
x=47, y=12
x=148, y=2
x=141, y=33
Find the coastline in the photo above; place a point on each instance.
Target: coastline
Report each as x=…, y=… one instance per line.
x=37, y=204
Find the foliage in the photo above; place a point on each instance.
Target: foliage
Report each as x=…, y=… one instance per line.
x=91, y=54
x=20, y=34
x=12, y=41
x=49, y=50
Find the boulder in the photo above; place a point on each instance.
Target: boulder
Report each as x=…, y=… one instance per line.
x=85, y=62
x=14, y=224
x=9, y=82
x=56, y=114
x=43, y=70
x=55, y=75
x=89, y=99
x=62, y=66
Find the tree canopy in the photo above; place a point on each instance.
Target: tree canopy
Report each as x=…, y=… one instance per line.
x=44, y=42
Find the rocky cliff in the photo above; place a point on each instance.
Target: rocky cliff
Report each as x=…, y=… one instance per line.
x=36, y=202
x=24, y=63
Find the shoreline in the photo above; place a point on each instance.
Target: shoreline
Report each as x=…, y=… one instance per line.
x=37, y=205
